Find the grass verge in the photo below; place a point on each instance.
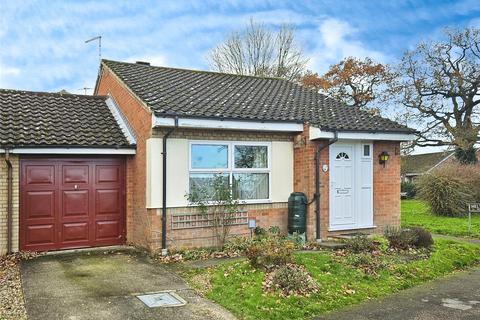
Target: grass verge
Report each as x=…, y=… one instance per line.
x=415, y=213
x=238, y=287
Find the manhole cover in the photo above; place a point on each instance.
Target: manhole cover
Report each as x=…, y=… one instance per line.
x=162, y=299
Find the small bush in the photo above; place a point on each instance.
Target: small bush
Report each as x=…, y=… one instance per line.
x=260, y=232
x=237, y=244
x=290, y=279
x=448, y=190
x=368, y=263
x=360, y=243
x=381, y=244
x=399, y=238
x=410, y=188
x=274, y=231
x=423, y=238
x=270, y=252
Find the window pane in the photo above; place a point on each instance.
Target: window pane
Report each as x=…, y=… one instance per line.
x=366, y=150
x=251, y=156
x=209, y=156
x=250, y=186
x=203, y=185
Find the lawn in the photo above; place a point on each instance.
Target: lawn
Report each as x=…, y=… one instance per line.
x=238, y=287
x=416, y=213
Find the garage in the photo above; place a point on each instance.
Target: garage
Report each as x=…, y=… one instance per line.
x=64, y=160
x=71, y=203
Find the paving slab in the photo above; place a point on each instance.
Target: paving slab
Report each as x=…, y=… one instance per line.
x=453, y=297
x=104, y=286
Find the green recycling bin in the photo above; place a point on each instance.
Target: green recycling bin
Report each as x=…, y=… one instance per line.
x=297, y=213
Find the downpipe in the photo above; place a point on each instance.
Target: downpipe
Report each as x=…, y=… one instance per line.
x=164, y=187
x=9, y=200
x=317, y=183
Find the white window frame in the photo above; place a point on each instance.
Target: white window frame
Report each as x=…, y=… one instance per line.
x=230, y=170
x=370, y=149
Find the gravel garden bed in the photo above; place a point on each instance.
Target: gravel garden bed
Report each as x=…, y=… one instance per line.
x=12, y=305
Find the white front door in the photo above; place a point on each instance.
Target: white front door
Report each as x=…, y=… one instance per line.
x=341, y=185
x=351, y=199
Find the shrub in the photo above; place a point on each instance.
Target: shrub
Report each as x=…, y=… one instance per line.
x=290, y=279
x=448, y=189
x=360, y=243
x=410, y=188
x=381, y=244
x=237, y=244
x=399, y=238
x=270, y=252
x=423, y=238
x=260, y=232
x=368, y=263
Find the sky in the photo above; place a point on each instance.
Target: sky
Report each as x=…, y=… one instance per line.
x=42, y=43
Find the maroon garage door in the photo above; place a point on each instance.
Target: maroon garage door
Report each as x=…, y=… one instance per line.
x=71, y=203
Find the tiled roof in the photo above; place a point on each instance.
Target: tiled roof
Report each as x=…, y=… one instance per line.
x=421, y=163
x=202, y=94
x=54, y=119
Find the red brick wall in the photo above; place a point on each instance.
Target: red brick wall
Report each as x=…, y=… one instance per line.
x=386, y=185
x=139, y=220
x=304, y=179
x=266, y=215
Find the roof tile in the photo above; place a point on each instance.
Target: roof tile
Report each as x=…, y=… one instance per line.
x=54, y=119
x=204, y=94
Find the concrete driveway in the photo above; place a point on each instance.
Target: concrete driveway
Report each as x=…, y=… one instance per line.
x=104, y=286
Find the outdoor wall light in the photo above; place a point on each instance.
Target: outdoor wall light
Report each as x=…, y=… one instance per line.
x=383, y=158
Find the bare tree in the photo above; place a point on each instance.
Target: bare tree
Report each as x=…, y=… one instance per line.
x=439, y=84
x=260, y=51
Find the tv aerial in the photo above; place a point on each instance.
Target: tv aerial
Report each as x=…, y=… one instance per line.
x=99, y=38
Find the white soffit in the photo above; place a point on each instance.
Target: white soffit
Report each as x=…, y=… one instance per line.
x=316, y=133
x=228, y=124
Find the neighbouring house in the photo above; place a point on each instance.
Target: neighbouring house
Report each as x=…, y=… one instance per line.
x=62, y=171
x=415, y=165
x=116, y=167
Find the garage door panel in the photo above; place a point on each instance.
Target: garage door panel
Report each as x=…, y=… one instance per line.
x=107, y=230
x=107, y=174
x=40, y=204
x=107, y=201
x=40, y=234
x=75, y=174
x=40, y=174
x=75, y=232
x=71, y=202
x=75, y=203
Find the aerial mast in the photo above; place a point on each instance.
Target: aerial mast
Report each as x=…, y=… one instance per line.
x=99, y=38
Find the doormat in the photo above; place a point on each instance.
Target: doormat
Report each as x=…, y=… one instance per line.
x=162, y=299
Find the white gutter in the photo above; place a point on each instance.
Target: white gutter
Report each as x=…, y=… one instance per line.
x=227, y=124
x=69, y=151
x=316, y=133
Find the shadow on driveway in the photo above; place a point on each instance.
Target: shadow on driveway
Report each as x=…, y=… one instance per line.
x=104, y=286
